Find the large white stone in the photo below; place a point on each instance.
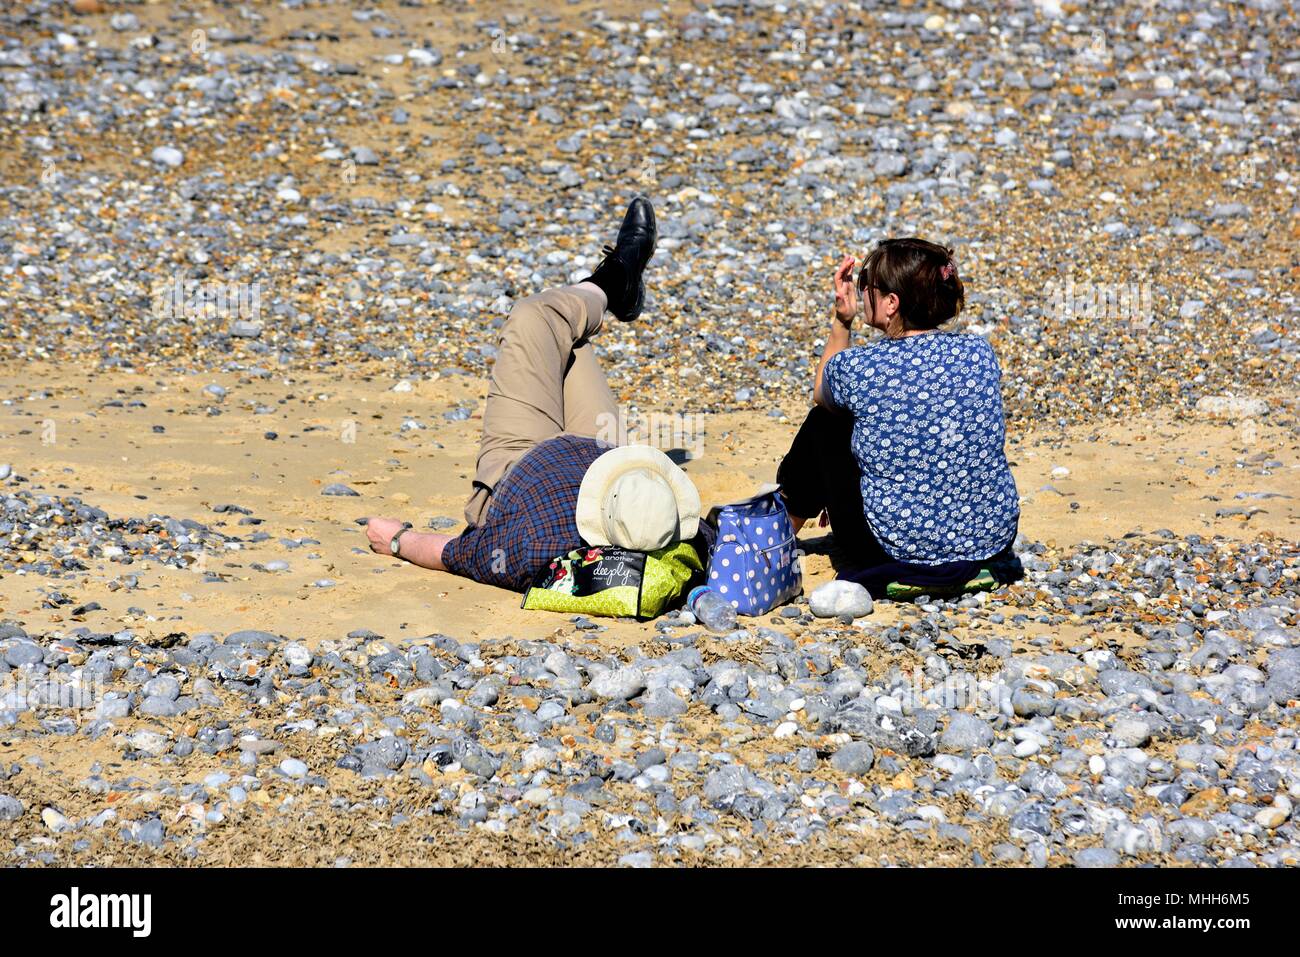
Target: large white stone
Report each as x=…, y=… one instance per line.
x=168, y=156
x=618, y=683
x=837, y=598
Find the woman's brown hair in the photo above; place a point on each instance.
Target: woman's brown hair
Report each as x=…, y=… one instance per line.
x=921, y=274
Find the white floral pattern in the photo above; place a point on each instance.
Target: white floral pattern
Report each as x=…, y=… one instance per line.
x=928, y=435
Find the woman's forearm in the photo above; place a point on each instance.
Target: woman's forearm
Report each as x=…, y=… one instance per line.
x=837, y=341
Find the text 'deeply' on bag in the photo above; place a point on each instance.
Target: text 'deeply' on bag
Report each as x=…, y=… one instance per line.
x=615, y=582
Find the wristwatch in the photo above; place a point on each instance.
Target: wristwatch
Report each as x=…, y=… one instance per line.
x=395, y=545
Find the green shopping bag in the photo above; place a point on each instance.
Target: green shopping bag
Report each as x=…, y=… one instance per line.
x=615, y=582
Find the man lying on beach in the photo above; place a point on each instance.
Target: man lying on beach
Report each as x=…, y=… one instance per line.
x=544, y=484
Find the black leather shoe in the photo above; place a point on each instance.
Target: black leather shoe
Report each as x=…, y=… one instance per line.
x=619, y=273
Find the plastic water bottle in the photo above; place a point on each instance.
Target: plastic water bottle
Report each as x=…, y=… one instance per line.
x=711, y=610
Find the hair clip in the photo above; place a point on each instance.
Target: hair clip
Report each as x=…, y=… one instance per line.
x=947, y=270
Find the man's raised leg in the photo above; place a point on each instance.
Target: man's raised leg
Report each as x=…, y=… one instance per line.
x=589, y=405
x=544, y=344
x=527, y=391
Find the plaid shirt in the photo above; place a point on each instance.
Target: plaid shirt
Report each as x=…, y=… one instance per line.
x=530, y=518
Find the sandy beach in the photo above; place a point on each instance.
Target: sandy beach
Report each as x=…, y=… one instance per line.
x=201, y=663
x=1133, y=476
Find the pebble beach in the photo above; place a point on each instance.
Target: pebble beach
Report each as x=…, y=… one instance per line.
x=254, y=260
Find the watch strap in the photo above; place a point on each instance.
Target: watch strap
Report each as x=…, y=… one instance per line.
x=395, y=546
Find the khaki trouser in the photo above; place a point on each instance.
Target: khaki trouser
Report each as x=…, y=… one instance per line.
x=546, y=381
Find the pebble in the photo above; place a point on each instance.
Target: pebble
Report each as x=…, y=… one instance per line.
x=55, y=821
x=1025, y=729
x=618, y=683
x=1096, y=857
x=786, y=729
x=855, y=758
x=965, y=732
x=149, y=742
x=246, y=330
x=840, y=598
x=298, y=655
x=663, y=703
x=1275, y=816
x=167, y=156
x=1131, y=732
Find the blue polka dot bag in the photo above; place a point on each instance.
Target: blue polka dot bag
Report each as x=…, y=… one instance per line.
x=753, y=563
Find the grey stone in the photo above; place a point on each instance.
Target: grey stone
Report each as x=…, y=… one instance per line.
x=913, y=736
x=856, y=757
x=11, y=809
x=1131, y=732
x=1027, y=703
x=24, y=653
x=388, y=752
x=662, y=703
x=618, y=684
x=965, y=732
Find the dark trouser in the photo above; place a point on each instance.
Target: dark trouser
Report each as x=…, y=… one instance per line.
x=820, y=474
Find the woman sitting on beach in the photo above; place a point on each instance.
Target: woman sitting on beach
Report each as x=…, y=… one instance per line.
x=903, y=450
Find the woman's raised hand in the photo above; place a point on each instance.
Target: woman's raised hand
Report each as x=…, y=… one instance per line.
x=846, y=293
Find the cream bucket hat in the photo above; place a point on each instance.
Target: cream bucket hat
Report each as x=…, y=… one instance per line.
x=634, y=497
